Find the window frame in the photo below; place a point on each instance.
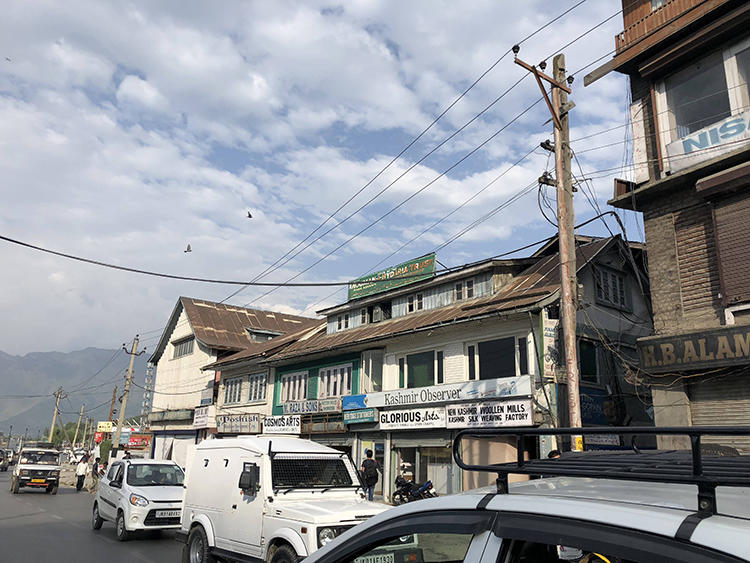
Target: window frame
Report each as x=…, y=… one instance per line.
x=458, y=291
x=233, y=390
x=438, y=367
x=597, y=361
x=293, y=386
x=598, y=272
x=342, y=384
x=517, y=352
x=469, y=289
x=178, y=344
x=257, y=382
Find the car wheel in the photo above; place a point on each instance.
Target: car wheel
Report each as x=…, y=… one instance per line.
x=14, y=486
x=284, y=554
x=120, y=529
x=196, y=549
x=398, y=498
x=96, y=520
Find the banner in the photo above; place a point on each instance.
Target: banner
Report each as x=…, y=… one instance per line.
x=431, y=417
x=139, y=441
x=395, y=276
x=492, y=414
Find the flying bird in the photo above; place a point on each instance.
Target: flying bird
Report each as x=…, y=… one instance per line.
x=249, y=215
x=188, y=249
x=8, y=59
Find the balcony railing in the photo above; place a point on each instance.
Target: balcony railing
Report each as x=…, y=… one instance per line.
x=651, y=20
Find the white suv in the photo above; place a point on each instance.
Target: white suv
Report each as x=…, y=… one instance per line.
x=139, y=494
x=601, y=507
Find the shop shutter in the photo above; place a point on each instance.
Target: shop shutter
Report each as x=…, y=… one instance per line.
x=733, y=239
x=722, y=401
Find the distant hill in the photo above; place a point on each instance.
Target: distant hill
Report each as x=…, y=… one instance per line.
x=41, y=373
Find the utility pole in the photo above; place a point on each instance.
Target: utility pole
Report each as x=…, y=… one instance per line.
x=112, y=404
x=85, y=432
x=559, y=107
x=133, y=353
x=58, y=394
x=78, y=424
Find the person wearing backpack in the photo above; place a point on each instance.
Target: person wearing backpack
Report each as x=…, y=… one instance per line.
x=370, y=468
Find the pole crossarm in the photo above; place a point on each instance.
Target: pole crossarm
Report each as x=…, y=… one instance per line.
x=539, y=76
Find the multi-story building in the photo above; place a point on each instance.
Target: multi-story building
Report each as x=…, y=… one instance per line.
x=406, y=363
x=199, y=333
x=688, y=62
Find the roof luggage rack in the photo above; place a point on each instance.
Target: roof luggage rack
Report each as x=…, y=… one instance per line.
x=692, y=466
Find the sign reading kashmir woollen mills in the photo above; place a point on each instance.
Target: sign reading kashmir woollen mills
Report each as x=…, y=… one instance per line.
x=698, y=350
x=492, y=414
x=396, y=276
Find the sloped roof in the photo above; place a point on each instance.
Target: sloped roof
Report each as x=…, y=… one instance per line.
x=534, y=287
x=225, y=327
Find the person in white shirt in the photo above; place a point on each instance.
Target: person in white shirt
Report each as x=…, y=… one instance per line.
x=82, y=469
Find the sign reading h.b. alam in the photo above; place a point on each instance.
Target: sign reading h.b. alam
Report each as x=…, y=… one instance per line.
x=396, y=276
x=707, y=349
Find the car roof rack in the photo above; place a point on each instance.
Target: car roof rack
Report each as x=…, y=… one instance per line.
x=692, y=466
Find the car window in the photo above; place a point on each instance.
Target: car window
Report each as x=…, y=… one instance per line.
x=154, y=475
x=430, y=548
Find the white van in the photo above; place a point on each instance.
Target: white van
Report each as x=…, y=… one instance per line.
x=268, y=498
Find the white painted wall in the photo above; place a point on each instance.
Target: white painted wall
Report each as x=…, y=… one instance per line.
x=246, y=407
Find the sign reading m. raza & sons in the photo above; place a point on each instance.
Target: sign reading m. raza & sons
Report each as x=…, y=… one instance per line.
x=710, y=348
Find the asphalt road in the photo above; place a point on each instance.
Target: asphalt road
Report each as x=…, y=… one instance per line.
x=36, y=527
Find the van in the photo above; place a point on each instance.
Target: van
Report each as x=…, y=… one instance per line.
x=268, y=498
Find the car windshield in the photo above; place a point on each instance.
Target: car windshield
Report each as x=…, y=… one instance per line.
x=154, y=475
x=39, y=458
x=310, y=472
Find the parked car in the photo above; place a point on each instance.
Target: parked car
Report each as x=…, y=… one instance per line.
x=36, y=468
x=139, y=494
x=264, y=498
x=597, y=507
x=4, y=461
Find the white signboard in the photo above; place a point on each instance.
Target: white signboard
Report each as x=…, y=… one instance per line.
x=286, y=424
x=426, y=417
x=200, y=418
x=551, y=354
x=301, y=407
x=238, y=424
x=330, y=405
x=725, y=136
x=450, y=393
x=492, y=414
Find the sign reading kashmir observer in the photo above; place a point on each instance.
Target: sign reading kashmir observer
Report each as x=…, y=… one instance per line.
x=707, y=349
x=395, y=276
x=492, y=414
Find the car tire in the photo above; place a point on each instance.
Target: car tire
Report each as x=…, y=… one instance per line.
x=398, y=499
x=284, y=554
x=96, y=519
x=196, y=548
x=120, y=530
x=14, y=486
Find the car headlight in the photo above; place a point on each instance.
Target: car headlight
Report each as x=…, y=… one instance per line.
x=138, y=500
x=326, y=535
x=54, y=473
x=24, y=472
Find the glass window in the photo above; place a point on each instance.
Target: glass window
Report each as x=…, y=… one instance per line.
x=363, y=316
x=432, y=547
x=743, y=68
x=112, y=471
x=410, y=304
x=697, y=96
x=294, y=386
x=472, y=363
x=335, y=381
x=233, y=390
x=497, y=358
x=459, y=291
x=339, y=322
x=419, y=302
x=469, y=289
x=183, y=348
x=610, y=288
x=523, y=356
x=154, y=475
x=401, y=363
x=420, y=369
x=346, y=320
x=257, y=384
x=587, y=360
x=440, y=366
x=309, y=471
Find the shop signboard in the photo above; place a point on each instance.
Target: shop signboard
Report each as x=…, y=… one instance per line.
x=550, y=351
x=98, y=437
x=125, y=435
x=395, y=276
x=200, y=418
x=104, y=426
x=362, y=415
x=238, y=424
x=411, y=419
x=329, y=405
x=207, y=396
x=490, y=414
x=448, y=393
x=139, y=440
x=285, y=424
x=301, y=407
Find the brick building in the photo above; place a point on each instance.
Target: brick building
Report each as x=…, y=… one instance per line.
x=688, y=62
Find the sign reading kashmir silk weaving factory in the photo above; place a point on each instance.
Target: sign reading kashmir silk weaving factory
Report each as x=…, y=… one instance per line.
x=492, y=414
x=709, y=348
x=395, y=276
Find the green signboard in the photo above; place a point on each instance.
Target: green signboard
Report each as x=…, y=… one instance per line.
x=363, y=415
x=395, y=276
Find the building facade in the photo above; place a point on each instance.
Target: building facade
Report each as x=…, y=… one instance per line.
x=688, y=62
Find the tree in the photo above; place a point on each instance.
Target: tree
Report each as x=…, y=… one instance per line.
x=104, y=448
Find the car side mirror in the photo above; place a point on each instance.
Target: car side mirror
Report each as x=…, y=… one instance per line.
x=249, y=478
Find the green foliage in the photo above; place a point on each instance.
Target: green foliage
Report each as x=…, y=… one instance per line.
x=104, y=448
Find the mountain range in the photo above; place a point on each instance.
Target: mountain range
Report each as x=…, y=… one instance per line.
x=88, y=376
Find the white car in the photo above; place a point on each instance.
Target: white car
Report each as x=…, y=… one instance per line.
x=139, y=494
x=37, y=467
x=676, y=507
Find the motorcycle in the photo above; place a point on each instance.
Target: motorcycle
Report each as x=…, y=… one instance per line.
x=408, y=491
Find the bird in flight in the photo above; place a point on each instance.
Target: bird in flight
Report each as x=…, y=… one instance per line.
x=188, y=249
x=249, y=215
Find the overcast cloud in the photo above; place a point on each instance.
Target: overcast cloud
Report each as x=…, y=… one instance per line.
x=131, y=129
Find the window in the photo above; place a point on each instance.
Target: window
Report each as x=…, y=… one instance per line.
x=493, y=359
x=414, y=303
x=339, y=322
x=183, y=347
x=610, y=288
x=232, y=390
x=257, y=385
x=401, y=374
x=459, y=291
x=469, y=289
x=423, y=547
x=587, y=360
x=294, y=386
x=335, y=381
x=440, y=375
x=410, y=304
x=363, y=316
x=656, y=4
x=346, y=320
x=418, y=370
x=523, y=356
x=419, y=302
x=470, y=352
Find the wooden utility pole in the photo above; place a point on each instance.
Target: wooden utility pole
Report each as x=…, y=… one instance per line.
x=58, y=394
x=78, y=424
x=112, y=404
x=559, y=108
x=133, y=353
x=85, y=431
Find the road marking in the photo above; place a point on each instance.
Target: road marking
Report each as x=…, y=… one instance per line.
x=56, y=516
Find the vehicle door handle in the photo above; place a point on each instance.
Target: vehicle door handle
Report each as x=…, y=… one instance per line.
x=234, y=507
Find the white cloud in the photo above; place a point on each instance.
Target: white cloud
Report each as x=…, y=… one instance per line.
x=133, y=89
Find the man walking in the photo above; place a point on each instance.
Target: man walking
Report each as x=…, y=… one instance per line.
x=370, y=468
x=82, y=470
x=94, y=476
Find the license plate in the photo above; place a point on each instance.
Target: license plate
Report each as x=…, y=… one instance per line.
x=168, y=513
x=376, y=558
x=39, y=480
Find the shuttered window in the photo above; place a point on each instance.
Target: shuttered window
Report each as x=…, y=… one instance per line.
x=733, y=240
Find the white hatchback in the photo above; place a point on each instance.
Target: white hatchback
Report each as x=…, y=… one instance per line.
x=139, y=494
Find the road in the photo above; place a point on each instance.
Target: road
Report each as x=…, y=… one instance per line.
x=36, y=527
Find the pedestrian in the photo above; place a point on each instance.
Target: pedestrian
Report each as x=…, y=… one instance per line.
x=94, y=476
x=127, y=455
x=370, y=468
x=82, y=470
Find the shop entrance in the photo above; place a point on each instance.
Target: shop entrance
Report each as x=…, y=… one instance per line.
x=421, y=464
x=378, y=450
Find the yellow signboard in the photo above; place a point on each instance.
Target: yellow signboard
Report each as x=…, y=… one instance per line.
x=104, y=426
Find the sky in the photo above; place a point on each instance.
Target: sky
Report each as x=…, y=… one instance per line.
x=129, y=130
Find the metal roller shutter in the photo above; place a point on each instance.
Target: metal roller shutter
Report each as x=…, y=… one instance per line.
x=733, y=237
x=722, y=402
